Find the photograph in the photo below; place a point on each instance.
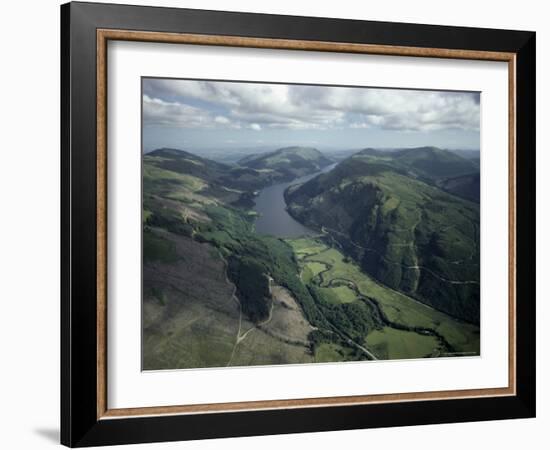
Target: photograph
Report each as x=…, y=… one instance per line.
x=298, y=224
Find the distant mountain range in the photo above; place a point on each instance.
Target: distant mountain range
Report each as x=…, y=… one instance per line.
x=292, y=162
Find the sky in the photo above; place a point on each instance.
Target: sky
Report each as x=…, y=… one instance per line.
x=201, y=115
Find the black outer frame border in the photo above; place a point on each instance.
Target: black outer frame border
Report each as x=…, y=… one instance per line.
x=79, y=425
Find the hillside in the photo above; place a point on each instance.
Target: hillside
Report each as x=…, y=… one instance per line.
x=385, y=211
x=290, y=162
x=448, y=170
x=208, y=279
x=212, y=172
x=465, y=186
x=467, y=154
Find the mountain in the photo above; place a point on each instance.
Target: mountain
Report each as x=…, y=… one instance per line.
x=426, y=163
x=385, y=210
x=186, y=163
x=442, y=168
x=289, y=162
x=340, y=155
x=221, y=179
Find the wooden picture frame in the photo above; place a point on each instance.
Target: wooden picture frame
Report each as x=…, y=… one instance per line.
x=86, y=418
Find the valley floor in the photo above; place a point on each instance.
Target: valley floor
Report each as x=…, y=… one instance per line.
x=410, y=329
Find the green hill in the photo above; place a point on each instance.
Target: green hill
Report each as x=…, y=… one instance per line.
x=426, y=163
x=178, y=175
x=383, y=211
x=450, y=171
x=290, y=162
x=186, y=163
x=212, y=172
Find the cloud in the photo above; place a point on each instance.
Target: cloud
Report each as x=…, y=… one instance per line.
x=256, y=106
x=160, y=112
x=222, y=120
x=175, y=114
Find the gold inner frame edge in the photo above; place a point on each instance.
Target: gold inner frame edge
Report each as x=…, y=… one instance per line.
x=103, y=36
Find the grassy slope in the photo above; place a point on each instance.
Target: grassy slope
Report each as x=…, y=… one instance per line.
x=390, y=343
x=330, y=352
x=465, y=186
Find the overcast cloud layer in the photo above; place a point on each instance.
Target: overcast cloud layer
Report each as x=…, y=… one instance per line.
x=220, y=109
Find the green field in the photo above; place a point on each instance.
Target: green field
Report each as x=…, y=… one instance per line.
x=329, y=352
x=304, y=247
x=339, y=294
x=311, y=270
x=390, y=343
x=397, y=307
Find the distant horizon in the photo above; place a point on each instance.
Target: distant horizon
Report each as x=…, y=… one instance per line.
x=203, y=116
x=268, y=149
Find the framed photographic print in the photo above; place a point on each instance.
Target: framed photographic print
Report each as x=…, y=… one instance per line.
x=276, y=224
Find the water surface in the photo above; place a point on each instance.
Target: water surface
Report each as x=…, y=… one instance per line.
x=274, y=218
